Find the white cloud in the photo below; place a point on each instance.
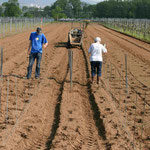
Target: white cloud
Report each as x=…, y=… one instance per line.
x=92, y=1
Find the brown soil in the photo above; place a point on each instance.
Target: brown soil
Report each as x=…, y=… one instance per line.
x=51, y=115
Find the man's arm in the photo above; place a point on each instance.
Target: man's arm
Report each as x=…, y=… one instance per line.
x=29, y=49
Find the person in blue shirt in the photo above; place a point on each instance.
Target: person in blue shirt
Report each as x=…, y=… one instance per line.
x=38, y=41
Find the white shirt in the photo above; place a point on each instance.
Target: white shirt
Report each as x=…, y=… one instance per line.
x=96, y=50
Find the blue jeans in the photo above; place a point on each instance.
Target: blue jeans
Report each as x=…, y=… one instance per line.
x=32, y=57
x=96, y=68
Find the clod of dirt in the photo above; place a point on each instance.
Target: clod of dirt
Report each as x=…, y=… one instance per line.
x=23, y=135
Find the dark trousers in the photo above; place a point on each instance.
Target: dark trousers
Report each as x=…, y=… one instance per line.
x=96, y=68
x=32, y=57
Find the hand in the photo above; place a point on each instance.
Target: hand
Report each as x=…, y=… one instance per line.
x=45, y=45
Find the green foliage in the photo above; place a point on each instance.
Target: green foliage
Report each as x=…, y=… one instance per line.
x=1, y=10
x=76, y=7
x=123, y=9
x=15, y=2
x=36, y=12
x=25, y=9
x=61, y=3
x=28, y=15
x=12, y=8
x=71, y=8
x=57, y=13
x=47, y=11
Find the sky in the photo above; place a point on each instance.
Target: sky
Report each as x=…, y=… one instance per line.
x=43, y=3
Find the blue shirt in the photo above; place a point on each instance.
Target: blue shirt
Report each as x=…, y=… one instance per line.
x=37, y=42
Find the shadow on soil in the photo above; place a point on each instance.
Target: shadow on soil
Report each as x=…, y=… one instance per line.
x=61, y=44
x=65, y=44
x=57, y=112
x=14, y=75
x=67, y=81
x=96, y=112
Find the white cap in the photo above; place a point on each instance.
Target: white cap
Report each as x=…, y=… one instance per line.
x=97, y=39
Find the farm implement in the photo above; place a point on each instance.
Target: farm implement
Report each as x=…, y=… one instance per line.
x=75, y=36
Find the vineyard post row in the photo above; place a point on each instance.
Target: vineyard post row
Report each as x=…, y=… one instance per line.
x=10, y=26
x=139, y=28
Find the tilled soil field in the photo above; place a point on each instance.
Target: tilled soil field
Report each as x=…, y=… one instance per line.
x=48, y=114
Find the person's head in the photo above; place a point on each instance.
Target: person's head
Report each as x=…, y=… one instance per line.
x=39, y=30
x=97, y=39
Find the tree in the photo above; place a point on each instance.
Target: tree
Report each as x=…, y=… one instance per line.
x=142, y=8
x=71, y=8
x=123, y=9
x=28, y=15
x=47, y=11
x=25, y=9
x=84, y=8
x=76, y=6
x=13, y=2
x=12, y=8
x=36, y=12
x=68, y=10
x=1, y=11
x=57, y=13
x=63, y=5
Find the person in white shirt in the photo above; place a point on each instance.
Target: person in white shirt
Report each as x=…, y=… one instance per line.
x=96, y=49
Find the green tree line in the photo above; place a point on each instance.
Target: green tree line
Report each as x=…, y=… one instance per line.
x=123, y=9
x=78, y=9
